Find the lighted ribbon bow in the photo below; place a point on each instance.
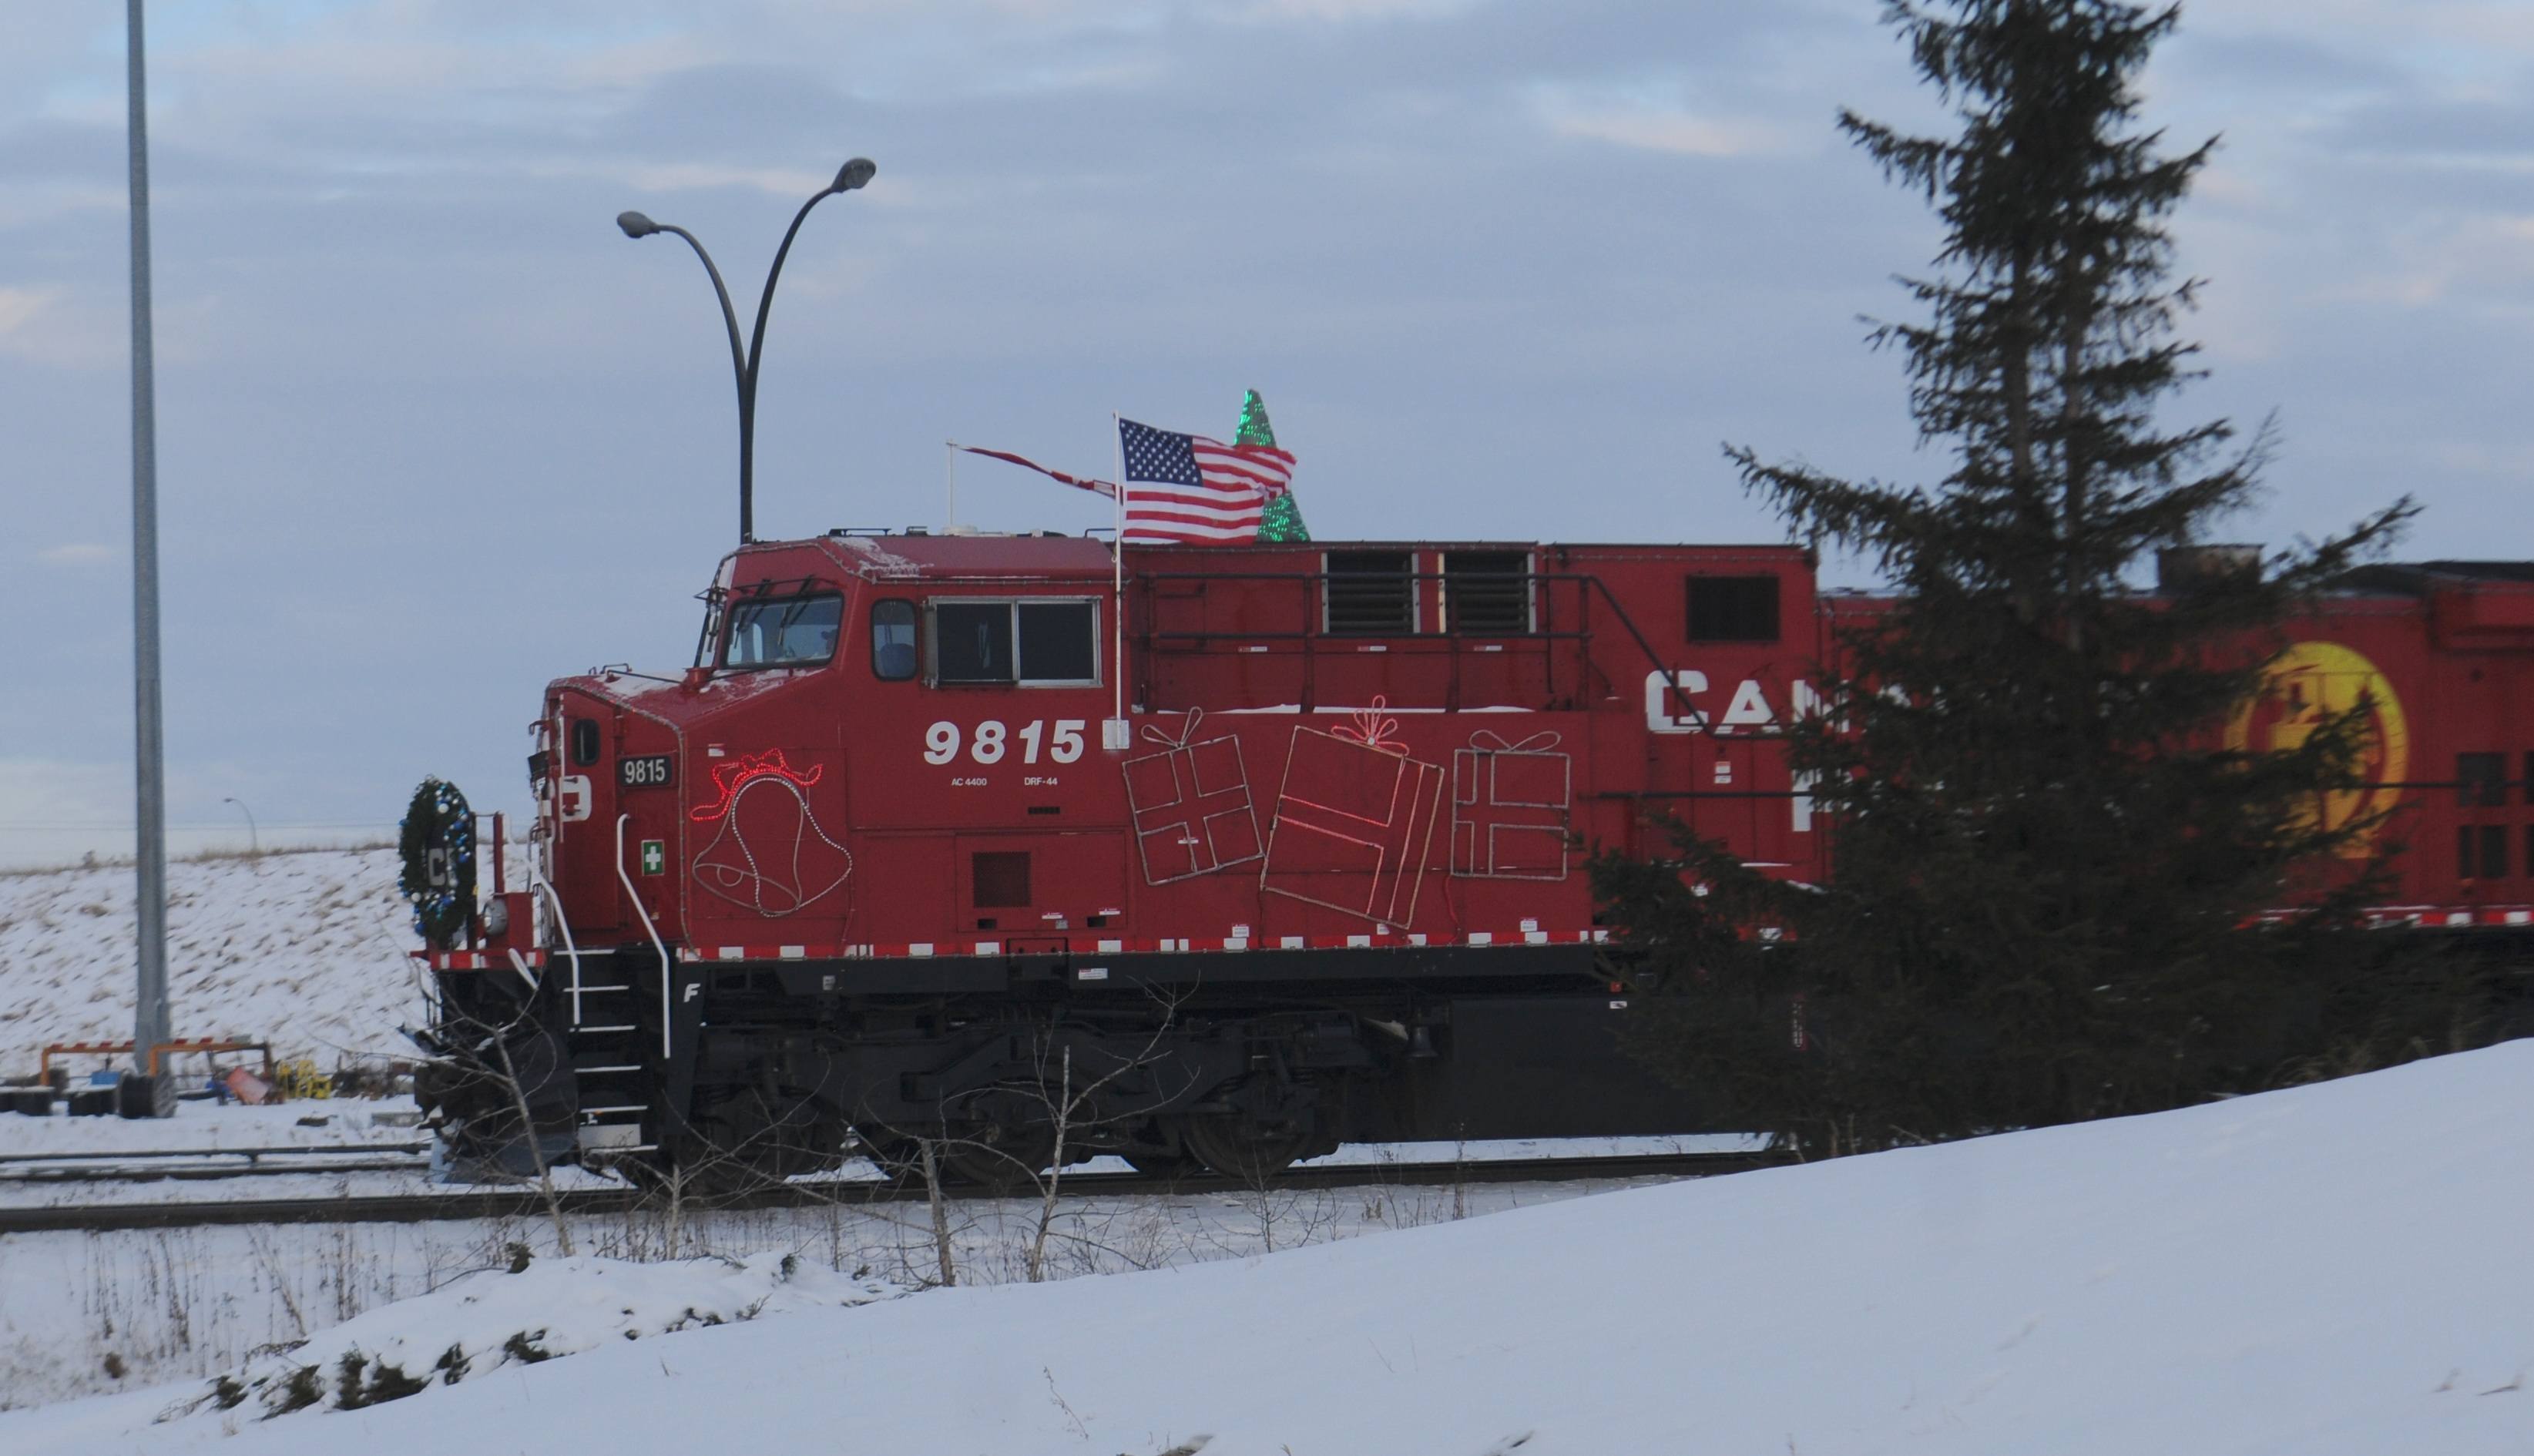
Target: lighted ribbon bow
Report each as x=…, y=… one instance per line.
x=1372, y=728
x=728, y=778
x=1487, y=741
x=1187, y=730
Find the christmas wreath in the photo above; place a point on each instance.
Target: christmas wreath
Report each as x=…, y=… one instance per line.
x=437, y=842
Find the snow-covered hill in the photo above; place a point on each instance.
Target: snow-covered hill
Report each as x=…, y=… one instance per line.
x=2337, y=1270
x=306, y=950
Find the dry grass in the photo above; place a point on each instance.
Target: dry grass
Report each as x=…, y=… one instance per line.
x=196, y=857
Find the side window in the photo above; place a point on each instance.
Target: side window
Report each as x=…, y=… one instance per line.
x=892, y=640
x=1060, y=643
x=1033, y=644
x=2481, y=780
x=972, y=642
x=1487, y=593
x=1733, y=609
x=1370, y=593
x=584, y=741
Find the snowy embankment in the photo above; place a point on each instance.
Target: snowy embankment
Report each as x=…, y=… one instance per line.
x=305, y=950
x=2332, y=1269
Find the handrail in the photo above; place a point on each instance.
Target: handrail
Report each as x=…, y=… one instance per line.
x=648, y=929
x=1673, y=696
x=539, y=880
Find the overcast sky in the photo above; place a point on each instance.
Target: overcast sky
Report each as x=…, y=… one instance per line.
x=432, y=431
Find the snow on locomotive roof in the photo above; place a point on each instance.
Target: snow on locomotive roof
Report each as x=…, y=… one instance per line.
x=903, y=556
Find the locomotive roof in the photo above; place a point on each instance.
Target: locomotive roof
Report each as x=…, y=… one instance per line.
x=905, y=556
x=2420, y=577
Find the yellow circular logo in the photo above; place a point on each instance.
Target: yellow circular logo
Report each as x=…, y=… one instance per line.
x=2305, y=686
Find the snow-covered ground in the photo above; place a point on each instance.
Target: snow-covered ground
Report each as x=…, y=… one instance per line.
x=305, y=950
x=2327, y=1271
x=77, y=1307
x=211, y=1126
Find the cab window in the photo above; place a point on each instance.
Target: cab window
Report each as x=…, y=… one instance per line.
x=787, y=632
x=892, y=640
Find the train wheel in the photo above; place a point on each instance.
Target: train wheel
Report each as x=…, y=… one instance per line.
x=1241, y=1149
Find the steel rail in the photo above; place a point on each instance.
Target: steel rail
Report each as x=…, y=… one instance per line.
x=302, y=1149
x=200, y=1172
x=529, y=1203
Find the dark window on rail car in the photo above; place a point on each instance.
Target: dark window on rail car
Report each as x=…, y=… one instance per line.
x=2481, y=851
x=999, y=880
x=972, y=642
x=2481, y=780
x=1733, y=609
x=892, y=648
x=1370, y=593
x=787, y=632
x=1060, y=643
x=1487, y=593
x=584, y=741
x=2529, y=778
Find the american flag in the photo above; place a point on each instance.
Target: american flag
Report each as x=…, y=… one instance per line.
x=1192, y=490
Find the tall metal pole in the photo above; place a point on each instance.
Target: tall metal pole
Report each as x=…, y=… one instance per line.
x=151, y=1023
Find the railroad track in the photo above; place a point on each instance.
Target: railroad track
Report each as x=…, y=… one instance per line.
x=511, y=1202
x=194, y=1164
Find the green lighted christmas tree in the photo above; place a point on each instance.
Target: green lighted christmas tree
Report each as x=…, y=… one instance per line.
x=1284, y=520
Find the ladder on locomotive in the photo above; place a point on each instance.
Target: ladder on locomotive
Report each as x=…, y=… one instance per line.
x=616, y=1050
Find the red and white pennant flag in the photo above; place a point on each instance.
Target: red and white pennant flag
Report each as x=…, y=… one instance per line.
x=1182, y=488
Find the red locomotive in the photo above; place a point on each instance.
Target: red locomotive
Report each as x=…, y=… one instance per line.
x=1222, y=854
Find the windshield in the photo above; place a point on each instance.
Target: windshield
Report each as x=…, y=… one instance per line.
x=789, y=632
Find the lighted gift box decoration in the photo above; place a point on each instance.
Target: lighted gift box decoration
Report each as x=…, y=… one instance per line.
x=1355, y=820
x=1510, y=808
x=1190, y=805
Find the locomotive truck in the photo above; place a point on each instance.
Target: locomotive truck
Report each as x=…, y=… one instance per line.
x=1221, y=856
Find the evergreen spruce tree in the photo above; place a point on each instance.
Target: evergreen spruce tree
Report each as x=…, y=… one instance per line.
x=2047, y=866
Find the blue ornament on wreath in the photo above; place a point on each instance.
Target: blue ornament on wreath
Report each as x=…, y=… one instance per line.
x=436, y=845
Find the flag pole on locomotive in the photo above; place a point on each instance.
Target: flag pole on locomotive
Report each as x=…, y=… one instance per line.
x=1114, y=734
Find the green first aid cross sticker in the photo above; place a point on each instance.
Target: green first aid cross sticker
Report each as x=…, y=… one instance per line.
x=655, y=857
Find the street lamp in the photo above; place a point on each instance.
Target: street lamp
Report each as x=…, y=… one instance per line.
x=744, y=362
x=251, y=848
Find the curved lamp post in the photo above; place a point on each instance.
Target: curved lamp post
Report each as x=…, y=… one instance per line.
x=252, y=847
x=744, y=362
